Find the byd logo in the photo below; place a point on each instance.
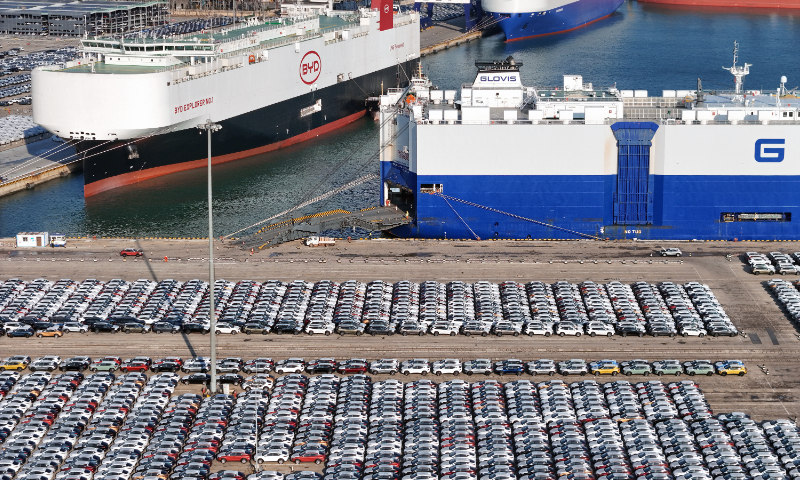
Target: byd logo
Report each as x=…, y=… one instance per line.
x=765, y=154
x=310, y=67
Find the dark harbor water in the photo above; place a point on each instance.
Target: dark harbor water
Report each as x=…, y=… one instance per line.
x=642, y=46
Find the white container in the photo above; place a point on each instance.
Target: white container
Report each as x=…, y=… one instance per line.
x=510, y=116
x=640, y=93
x=668, y=93
x=475, y=114
x=688, y=115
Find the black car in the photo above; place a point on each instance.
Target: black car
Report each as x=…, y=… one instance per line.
x=75, y=365
x=42, y=325
x=628, y=329
x=321, y=367
x=202, y=378
x=123, y=319
x=231, y=378
x=380, y=328
x=166, y=367
x=195, y=328
x=104, y=327
x=287, y=327
x=165, y=327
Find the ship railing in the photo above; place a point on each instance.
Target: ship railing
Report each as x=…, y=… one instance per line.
x=652, y=101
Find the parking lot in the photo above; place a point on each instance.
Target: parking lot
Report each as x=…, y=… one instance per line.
x=767, y=392
x=45, y=308
x=67, y=425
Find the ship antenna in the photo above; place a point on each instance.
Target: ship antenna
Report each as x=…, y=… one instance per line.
x=699, y=101
x=738, y=72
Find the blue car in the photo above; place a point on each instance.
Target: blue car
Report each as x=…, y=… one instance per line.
x=510, y=367
x=20, y=332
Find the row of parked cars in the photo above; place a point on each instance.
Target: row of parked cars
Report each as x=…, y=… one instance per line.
x=71, y=426
x=391, y=366
x=16, y=61
x=787, y=293
x=774, y=262
x=180, y=28
x=358, y=308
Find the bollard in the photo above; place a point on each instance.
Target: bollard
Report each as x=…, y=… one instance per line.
x=166, y=259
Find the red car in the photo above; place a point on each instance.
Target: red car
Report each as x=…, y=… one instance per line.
x=310, y=457
x=131, y=252
x=234, y=457
x=353, y=367
x=134, y=367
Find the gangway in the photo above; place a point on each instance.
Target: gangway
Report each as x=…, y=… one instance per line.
x=373, y=219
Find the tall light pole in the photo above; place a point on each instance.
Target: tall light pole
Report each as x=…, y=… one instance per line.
x=210, y=127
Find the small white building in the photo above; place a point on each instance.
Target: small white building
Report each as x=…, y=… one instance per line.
x=33, y=239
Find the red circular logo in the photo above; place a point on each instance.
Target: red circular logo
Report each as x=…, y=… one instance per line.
x=310, y=67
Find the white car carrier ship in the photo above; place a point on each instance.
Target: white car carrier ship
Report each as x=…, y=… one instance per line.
x=131, y=107
x=575, y=161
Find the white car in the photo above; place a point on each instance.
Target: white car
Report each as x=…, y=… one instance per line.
x=74, y=327
x=568, y=328
x=279, y=456
x=538, y=328
x=450, y=365
x=671, y=252
x=320, y=328
x=226, y=328
x=418, y=365
x=291, y=365
x=599, y=328
x=449, y=328
x=693, y=331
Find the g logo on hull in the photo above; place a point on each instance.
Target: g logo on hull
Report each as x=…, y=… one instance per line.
x=770, y=154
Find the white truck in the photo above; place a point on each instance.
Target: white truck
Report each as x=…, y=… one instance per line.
x=315, y=241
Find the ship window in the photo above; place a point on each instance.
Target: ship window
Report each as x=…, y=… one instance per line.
x=519, y=15
x=785, y=114
x=431, y=188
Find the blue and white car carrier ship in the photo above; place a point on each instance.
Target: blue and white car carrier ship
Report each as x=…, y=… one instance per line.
x=509, y=161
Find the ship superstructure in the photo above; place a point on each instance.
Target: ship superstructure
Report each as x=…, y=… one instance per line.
x=577, y=161
x=131, y=107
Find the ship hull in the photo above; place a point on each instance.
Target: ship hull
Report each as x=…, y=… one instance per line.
x=111, y=165
x=705, y=182
x=523, y=19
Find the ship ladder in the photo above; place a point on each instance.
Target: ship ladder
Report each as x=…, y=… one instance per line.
x=518, y=217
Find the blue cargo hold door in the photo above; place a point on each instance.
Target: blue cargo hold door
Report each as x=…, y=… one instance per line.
x=633, y=196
